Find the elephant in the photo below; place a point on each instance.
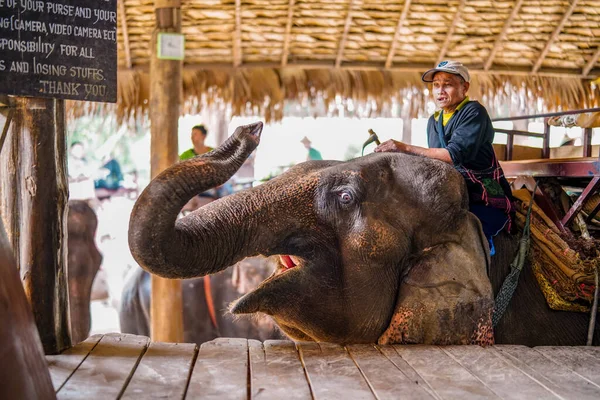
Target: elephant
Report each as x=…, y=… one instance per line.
x=226, y=286
x=379, y=249
x=83, y=262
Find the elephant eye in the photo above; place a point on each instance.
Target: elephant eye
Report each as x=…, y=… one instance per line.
x=345, y=197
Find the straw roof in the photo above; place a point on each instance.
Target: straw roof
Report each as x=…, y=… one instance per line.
x=256, y=54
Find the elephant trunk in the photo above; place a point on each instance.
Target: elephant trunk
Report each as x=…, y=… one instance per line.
x=194, y=245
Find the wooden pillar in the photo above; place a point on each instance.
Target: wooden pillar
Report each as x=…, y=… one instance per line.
x=165, y=93
x=510, y=144
x=33, y=183
x=587, y=142
x=546, y=140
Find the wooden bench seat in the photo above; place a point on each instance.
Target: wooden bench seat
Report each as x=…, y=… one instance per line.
x=559, y=167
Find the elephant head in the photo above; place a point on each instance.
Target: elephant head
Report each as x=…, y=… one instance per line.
x=381, y=247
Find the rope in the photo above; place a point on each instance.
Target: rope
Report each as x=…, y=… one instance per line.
x=510, y=282
x=209, y=303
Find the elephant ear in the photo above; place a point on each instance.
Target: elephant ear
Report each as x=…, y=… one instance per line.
x=446, y=297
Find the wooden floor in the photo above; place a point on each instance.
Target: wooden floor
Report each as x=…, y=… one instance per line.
x=131, y=367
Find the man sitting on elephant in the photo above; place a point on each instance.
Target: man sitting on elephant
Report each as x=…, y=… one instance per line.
x=461, y=134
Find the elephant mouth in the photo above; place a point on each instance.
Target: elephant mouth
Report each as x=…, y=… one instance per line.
x=286, y=263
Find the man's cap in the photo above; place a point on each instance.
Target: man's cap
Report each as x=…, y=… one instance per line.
x=449, y=66
x=305, y=140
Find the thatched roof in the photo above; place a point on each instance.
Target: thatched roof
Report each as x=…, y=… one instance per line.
x=257, y=53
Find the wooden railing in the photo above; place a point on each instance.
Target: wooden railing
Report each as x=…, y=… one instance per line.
x=587, y=132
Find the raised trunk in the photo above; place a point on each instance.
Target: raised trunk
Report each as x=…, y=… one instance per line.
x=187, y=247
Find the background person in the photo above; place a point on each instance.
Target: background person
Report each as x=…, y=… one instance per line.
x=313, y=154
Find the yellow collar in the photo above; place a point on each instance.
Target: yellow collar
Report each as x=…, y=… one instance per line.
x=461, y=105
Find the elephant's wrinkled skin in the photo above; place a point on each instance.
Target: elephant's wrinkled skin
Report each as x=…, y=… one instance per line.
x=378, y=248
x=83, y=262
x=226, y=286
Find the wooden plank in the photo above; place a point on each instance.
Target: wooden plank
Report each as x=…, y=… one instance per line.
x=385, y=378
x=276, y=371
x=221, y=370
x=391, y=354
x=331, y=372
x=106, y=371
x=591, y=350
x=448, y=378
x=163, y=372
x=583, y=364
x=496, y=373
x=556, y=377
x=63, y=365
x=23, y=371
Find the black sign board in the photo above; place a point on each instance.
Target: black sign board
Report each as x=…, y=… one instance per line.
x=65, y=49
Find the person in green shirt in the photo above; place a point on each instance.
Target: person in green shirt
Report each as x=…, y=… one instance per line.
x=199, y=133
x=313, y=154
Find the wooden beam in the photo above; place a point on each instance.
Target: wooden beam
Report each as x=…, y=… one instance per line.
x=237, y=35
x=502, y=35
x=122, y=11
x=166, y=306
x=457, y=18
x=401, y=20
x=553, y=37
x=288, y=30
x=590, y=189
x=340, y=54
x=372, y=66
x=591, y=63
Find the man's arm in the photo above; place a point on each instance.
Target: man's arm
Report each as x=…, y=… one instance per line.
x=400, y=147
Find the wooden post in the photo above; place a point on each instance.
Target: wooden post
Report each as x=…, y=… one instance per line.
x=546, y=140
x=34, y=189
x=510, y=144
x=165, y=92
x=587, y=142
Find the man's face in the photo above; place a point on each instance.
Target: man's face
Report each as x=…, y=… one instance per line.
x=448, y=90
x=198, y=137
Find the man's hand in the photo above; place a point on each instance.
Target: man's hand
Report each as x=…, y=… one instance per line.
x=391, y=145
x=395, y=146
